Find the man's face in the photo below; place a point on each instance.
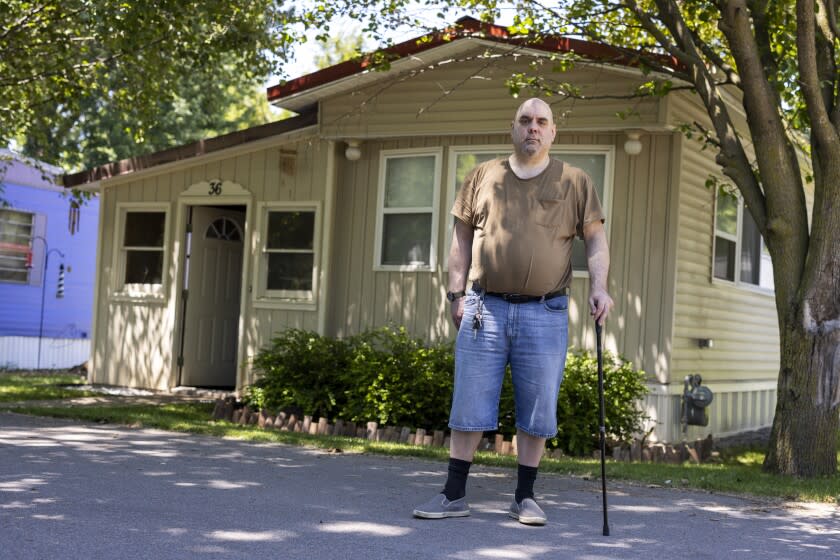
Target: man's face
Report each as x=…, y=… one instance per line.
x=533, y=129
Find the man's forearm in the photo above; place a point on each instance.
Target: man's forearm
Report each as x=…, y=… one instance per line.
x=460, y=256
x=597, y=259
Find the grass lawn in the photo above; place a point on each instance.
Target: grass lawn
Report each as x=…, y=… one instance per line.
x=26, y=387
x=739, y=473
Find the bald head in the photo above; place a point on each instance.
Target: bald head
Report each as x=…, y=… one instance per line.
x=535, y=104
x=533, y=131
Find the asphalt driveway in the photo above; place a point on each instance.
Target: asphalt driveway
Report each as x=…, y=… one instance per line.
x=78, y=490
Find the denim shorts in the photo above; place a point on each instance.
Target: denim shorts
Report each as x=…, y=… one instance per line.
x=532, y=337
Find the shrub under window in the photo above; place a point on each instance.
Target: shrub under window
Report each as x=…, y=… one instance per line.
x=387, y=376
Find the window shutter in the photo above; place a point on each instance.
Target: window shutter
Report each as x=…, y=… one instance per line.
x=39, y=228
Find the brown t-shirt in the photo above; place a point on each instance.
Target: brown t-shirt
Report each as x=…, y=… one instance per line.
x=524, y=228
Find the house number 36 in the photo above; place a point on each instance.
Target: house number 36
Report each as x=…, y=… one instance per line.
x=215, y=188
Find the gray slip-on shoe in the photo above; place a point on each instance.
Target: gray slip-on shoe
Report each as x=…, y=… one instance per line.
x=439, y=508
x=528, y=512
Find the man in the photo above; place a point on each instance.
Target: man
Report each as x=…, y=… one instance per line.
x=509, y=276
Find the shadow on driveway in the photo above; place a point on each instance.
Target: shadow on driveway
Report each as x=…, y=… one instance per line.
x=79, y=490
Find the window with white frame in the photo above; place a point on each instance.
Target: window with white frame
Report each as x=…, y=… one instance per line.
x=407, y=211
x=289, y=252
x=740, y=254
x=142, y=249
x=16, y=234
x=596, y=161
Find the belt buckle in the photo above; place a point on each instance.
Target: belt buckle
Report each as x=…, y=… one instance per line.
x=517, y=298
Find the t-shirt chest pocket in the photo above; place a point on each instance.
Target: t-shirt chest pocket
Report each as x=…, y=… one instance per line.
x=554, y=212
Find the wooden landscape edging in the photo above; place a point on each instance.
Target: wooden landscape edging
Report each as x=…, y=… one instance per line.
x=699, y=451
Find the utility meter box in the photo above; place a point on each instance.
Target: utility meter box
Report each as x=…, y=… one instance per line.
x=696, y=400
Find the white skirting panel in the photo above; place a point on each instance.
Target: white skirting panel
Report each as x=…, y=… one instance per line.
x=21, y=352
x=731, y=412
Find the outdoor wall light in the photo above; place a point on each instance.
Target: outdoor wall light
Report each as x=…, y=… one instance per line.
x=633, y=146
x=705, y=343
x=353, y=150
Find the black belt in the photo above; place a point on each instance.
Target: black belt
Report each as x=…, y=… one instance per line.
x=522, y=298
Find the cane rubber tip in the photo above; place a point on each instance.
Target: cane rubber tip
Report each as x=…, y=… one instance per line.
x=606, y=531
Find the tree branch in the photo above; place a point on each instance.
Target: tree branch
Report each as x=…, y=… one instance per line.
x=710, y=53
x=57, y=71
x=776, y=156
x=409, y=74
x=831, y=13
x=826, y=37
x=554, y=87
x=445, y=93
x=54, y=20
x=827, y=138
x=786, y=222
x=648, y=61
x=732, y=157
x=758, y=10
x=664, y=41
x=22, y=20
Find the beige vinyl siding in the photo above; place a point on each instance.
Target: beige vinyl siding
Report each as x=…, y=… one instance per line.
x=133, y=342
x=732, y=411
x=136, y=340
x=472, y=97
x=642, y=235
x=741, y=321
x=640, y=230
x=361, y=298
x=293, y=173
x=742, y=367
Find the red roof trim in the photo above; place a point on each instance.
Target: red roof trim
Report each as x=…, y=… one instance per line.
x=350, y=67
x=464, y=27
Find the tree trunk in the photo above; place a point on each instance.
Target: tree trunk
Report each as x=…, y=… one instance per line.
x=805, y=428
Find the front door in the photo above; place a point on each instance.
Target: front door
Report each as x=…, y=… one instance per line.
x=214, y=279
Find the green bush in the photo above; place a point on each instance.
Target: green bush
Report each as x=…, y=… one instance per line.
x=577, y=404
x=578, y=408
x=302, y=371
x=399, y=380
x=386, y=376
x=382, y=375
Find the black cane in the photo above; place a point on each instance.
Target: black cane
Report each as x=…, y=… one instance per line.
x=602, y=428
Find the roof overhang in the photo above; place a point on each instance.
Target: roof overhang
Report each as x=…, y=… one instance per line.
x=466, y=35
x=307, y=117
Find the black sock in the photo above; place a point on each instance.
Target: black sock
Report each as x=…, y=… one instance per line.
x=525, y=483
x=456, y=481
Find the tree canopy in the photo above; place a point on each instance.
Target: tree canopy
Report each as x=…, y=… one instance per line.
x=82, y=70
x=99, y=130
x=345, y=45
